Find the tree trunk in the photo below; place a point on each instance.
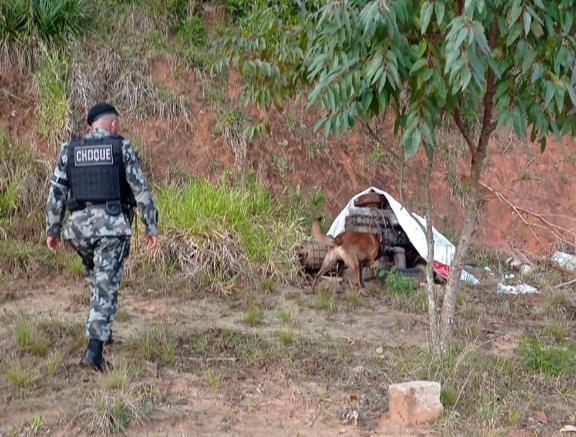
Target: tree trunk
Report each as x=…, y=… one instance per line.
x=430, y=290
x=478, y=155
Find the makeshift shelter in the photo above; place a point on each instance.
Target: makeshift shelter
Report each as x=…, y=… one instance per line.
x=404, y=232
x=399, y=227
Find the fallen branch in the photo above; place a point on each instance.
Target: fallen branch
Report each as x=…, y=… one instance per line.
x=211, y=358
x=564, y=284
x=554, y=229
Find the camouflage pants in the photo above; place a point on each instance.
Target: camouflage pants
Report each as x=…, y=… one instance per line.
x=103, y=259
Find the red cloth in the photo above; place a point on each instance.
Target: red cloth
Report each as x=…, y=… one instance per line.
x=441, y=270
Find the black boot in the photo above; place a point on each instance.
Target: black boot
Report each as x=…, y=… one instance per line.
x=110, y=340
x=93, y=356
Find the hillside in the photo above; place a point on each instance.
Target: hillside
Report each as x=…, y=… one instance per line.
x=218, y=332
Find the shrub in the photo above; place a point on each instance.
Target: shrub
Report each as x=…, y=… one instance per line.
x=238, y=8
x=58, y=20
x=52, y=21
x=14, y=20
x=192, y=31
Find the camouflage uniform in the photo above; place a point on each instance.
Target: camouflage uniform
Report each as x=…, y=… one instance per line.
x=101, y=239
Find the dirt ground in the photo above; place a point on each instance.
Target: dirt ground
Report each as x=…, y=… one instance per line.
x=224, y=377
x=251, y=400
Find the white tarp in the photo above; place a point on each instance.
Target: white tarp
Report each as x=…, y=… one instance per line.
x=443, y=248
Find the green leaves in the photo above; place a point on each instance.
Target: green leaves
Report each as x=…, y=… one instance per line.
x=515, y=11
x=419, y=60
x=426, y=15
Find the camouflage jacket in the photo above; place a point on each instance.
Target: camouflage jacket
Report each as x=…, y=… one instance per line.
x=94, y=221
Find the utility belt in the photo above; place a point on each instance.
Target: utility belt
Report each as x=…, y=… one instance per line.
x=112, y=207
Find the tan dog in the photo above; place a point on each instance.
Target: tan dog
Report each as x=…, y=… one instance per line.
x=355, y=249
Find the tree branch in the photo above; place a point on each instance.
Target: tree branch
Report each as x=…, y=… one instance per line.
x=464, y=132
x=376, y=138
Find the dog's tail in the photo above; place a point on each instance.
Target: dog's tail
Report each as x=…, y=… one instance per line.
x=319, y=235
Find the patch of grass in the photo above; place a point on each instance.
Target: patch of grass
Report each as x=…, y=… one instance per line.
x=524, y=175
x=267, y=284
x=23, y=182
x=192, y=31
x=112, y=412
x=247, y=209
x=326, y=300
x=253, y=315
x=398, y=284
x=447, y=397
x=212, y=378
x=63, y=332
x=281, y=164
x=122, y=315
x=412, y=303
x=458, y=187
x=29, y=337
x=557, y=331
x=285, y=316
x=286, y=336
x=376, y=154
x=80, y=298
x=316, y=148
x=543, y=279
x=37, y=422
x=21, y=375
x=485, y=257
x=248, y=349
x=75, y=266
x=559, y=302
x=155, y=344
x=54, y=361
x=353, y=298
x=118, y=378
x=538, y=357
x=469, y=330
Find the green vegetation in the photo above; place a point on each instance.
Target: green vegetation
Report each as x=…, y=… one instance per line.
x=399, y=284
x=20, y=375
x=213, y=379
x=112, y=412
x=54, y=98
x=29, y=336
x=54, y=361
x=253, y=315
x=50, y=21
x=23, y=182
x=253, y=231
x=286, y=336
x=326, y=300
x=118, y=378
x=554, y=361
x=156, y=345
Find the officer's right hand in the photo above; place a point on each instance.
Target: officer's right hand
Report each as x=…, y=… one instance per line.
x=53, y=243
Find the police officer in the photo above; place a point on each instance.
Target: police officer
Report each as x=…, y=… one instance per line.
x=99, y=179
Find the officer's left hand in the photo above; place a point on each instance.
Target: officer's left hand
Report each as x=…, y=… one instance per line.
x=151, y=242
x=53, y=243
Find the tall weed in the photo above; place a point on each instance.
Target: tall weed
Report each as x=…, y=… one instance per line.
x=52, y=113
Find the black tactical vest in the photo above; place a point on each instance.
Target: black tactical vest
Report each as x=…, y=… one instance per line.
x=96, y=173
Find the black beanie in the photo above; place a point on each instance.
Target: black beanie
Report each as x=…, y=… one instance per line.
x=98, y=110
